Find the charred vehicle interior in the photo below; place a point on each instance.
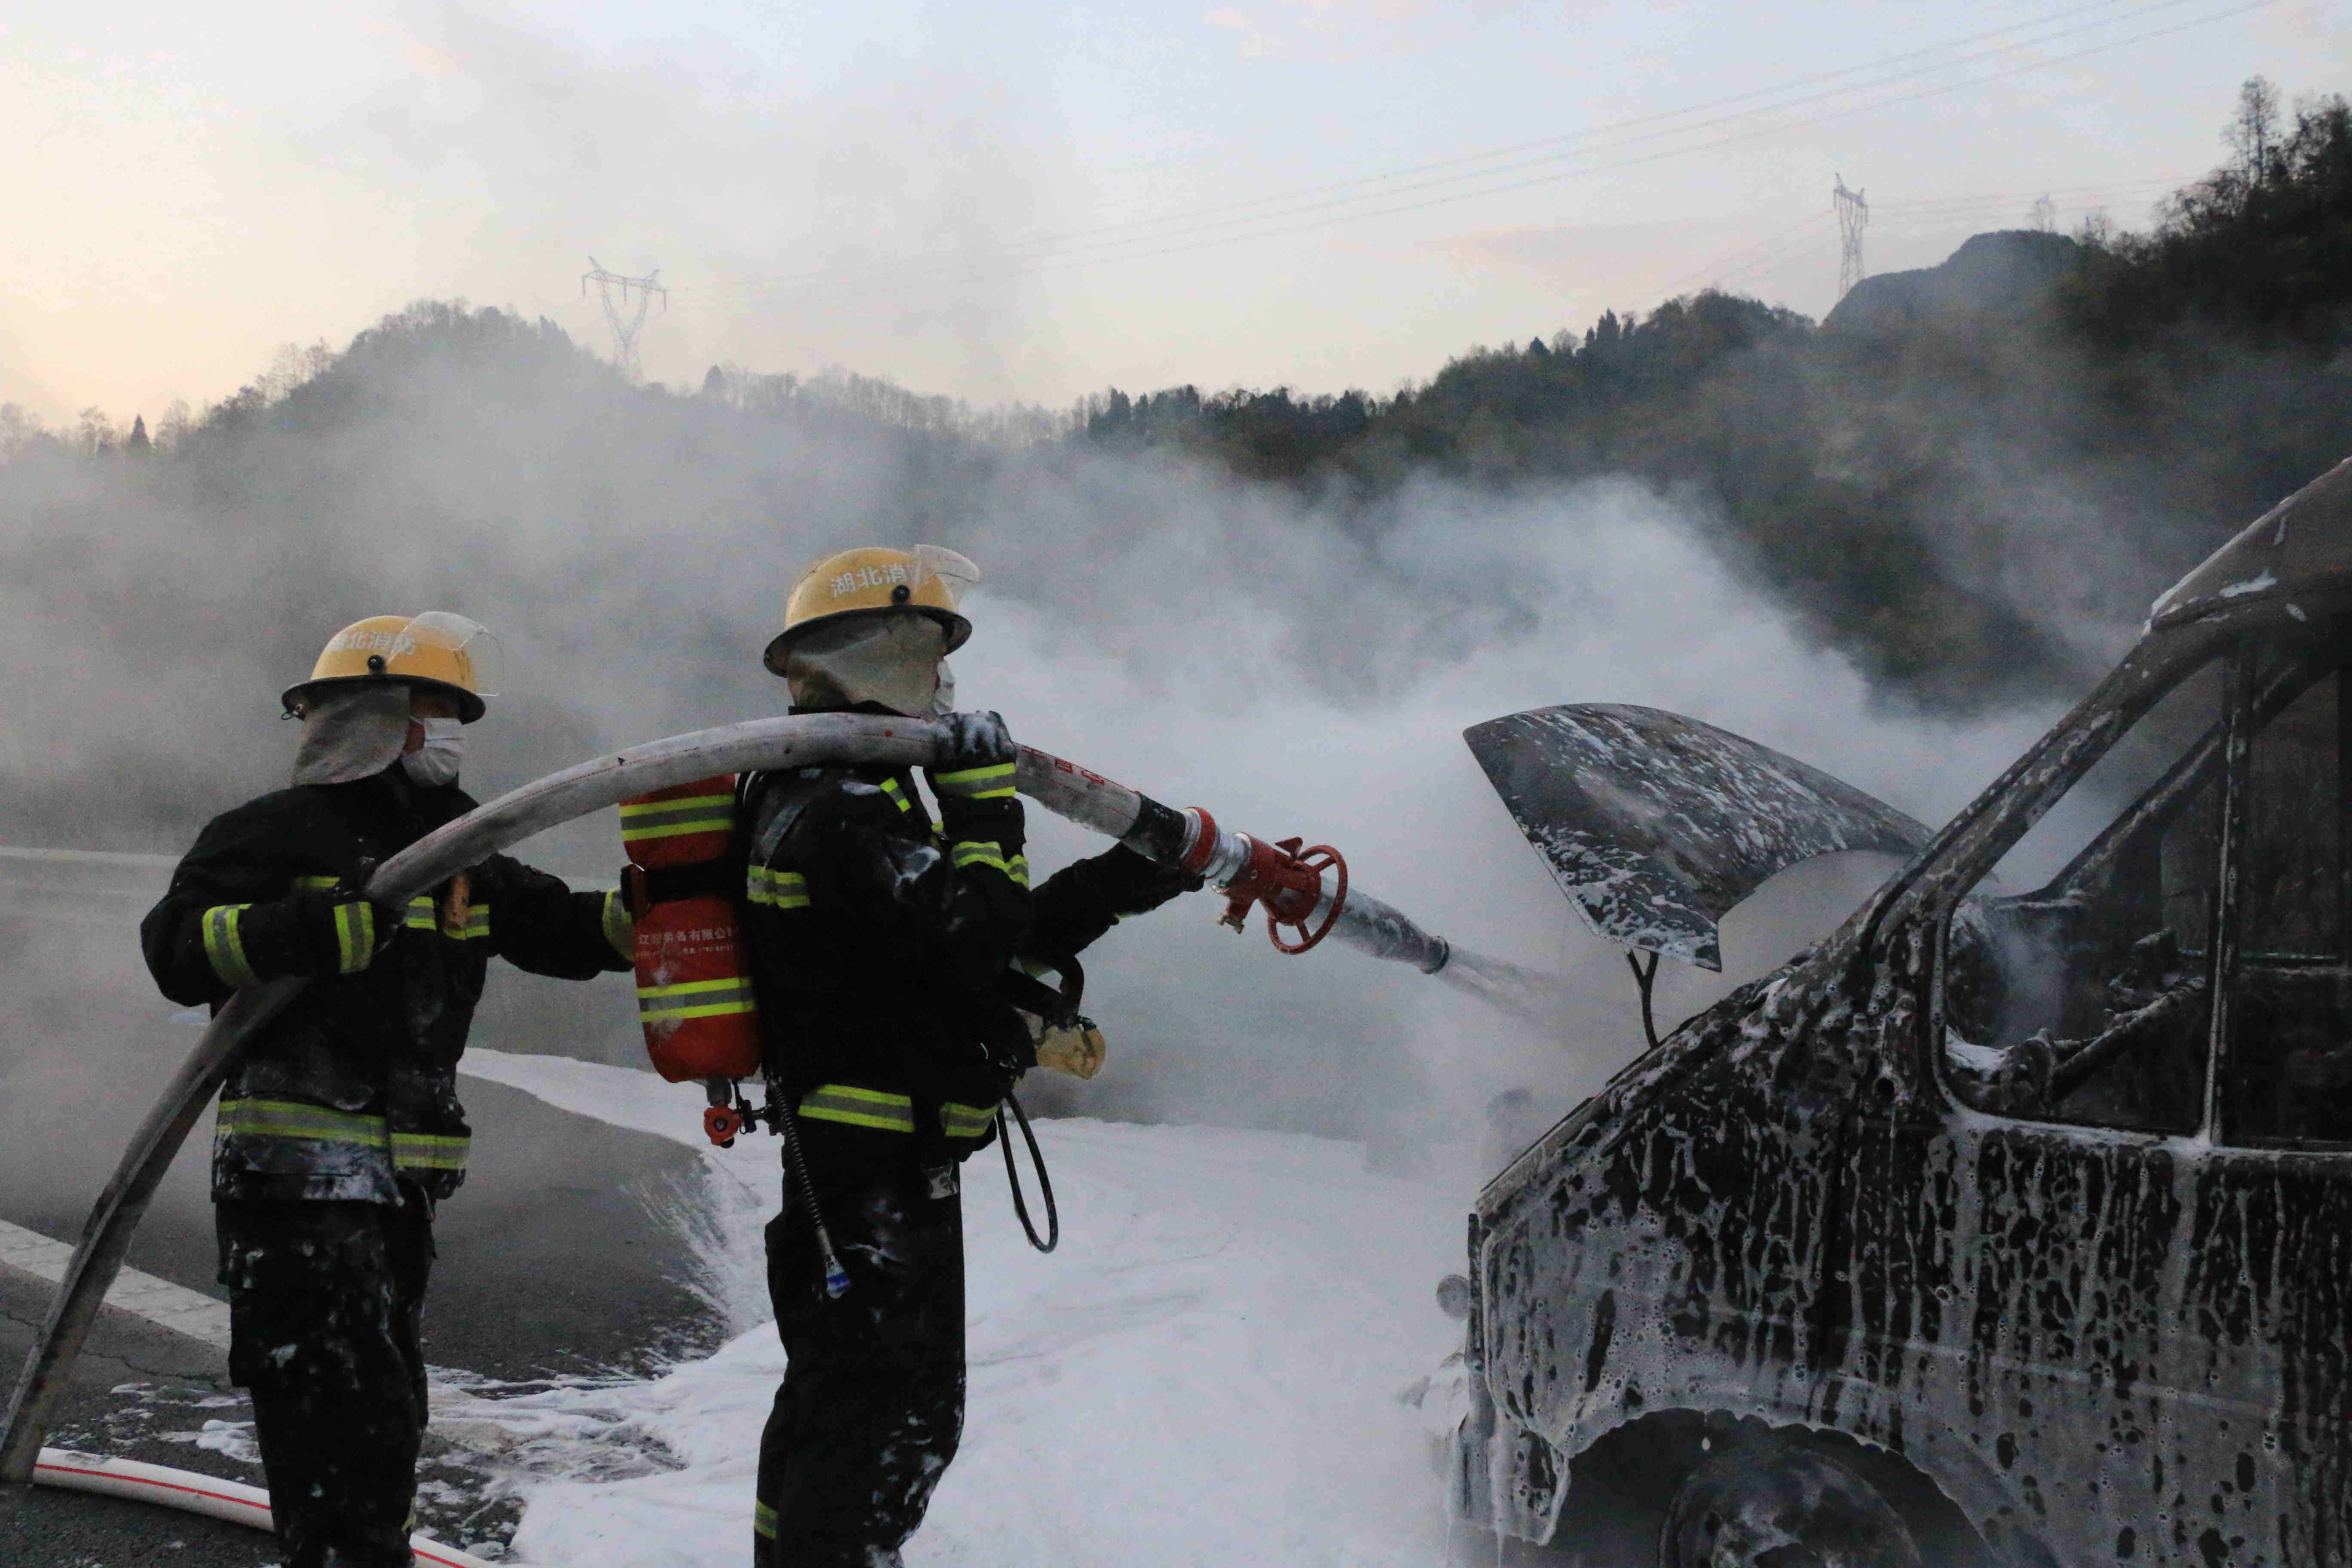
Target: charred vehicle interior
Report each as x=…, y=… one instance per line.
x=2010, y=1225
x=2090, y=1000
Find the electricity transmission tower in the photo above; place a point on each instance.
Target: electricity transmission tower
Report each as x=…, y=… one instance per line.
x=1852, y=216
x=614, y=291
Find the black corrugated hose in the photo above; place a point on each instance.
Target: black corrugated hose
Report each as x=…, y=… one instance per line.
x=1044, y=1181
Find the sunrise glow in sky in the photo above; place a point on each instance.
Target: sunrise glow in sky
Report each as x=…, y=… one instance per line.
x=1034, y=201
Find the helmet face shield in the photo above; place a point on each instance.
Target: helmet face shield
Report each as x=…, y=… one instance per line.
x=479, y=657
x=953, y=573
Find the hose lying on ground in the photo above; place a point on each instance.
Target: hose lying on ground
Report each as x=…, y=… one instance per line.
x=1225, y=857
x=191, y=1493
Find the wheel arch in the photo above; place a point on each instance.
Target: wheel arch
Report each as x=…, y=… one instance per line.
x=1618, y=1486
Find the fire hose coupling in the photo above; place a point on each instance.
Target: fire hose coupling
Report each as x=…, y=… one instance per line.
x=1284, y=877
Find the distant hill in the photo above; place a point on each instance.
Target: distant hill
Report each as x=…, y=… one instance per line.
x=2007, y=275
x=1972, y=478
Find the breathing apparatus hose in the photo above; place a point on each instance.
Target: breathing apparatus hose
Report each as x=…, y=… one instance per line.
x=787, y=1124
x=1228, y=859
x=1044, y=1182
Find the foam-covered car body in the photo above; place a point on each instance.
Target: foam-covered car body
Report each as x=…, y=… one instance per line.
x=2031, y=1200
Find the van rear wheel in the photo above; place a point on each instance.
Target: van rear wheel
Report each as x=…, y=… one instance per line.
x=1768, y=1503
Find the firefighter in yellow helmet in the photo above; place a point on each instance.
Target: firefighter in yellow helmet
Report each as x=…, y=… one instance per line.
x=338, y=1129
x=892, y=956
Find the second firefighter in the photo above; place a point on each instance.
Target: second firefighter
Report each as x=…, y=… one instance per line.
x=884, y=948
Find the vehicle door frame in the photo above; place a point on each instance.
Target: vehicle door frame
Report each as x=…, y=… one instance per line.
x=2021, y=798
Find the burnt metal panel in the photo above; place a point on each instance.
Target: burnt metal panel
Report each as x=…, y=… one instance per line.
x=2303, y=545
x=1656, y=825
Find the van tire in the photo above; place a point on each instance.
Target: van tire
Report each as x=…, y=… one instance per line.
x=1766, y=1503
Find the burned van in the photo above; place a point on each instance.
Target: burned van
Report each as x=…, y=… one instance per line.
x=2012, y=1225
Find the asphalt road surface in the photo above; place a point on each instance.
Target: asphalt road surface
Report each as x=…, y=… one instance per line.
x=551, y=1260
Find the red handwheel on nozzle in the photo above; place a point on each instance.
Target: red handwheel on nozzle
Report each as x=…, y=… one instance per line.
x=1305, y=860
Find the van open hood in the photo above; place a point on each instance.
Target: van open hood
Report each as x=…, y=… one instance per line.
x=1656, y=825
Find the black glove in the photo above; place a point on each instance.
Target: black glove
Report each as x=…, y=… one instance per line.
x=1134, y=884
x=972, y=776
x=336, y=932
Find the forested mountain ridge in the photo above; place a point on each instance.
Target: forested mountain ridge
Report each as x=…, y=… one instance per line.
x=1971, y=499
x=1969, y=481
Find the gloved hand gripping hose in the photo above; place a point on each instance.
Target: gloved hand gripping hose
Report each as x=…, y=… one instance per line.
x=798, y=740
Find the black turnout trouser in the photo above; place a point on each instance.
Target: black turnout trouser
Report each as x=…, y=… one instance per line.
x=872, y=1403
x=325, y=1302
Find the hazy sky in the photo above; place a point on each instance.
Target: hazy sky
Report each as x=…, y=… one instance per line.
x=1036, y=201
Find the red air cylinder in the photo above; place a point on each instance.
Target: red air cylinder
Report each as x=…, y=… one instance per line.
x=694, y=974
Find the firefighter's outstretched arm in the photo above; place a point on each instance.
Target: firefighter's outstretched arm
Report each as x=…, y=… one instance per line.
x=1078, y=903
x=540, y=925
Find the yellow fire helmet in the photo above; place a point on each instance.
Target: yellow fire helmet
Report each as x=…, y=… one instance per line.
x=875, y=580
x=437, y=650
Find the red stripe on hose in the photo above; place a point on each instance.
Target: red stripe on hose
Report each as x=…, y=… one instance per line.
x=119, y=1477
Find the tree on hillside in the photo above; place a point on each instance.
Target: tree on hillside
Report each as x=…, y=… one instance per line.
x=2263, y=244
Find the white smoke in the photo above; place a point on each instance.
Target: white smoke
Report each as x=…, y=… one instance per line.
x=1299, y=666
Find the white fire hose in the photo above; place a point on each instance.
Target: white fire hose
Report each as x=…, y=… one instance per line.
x=191, y=1493
x=1248, y=870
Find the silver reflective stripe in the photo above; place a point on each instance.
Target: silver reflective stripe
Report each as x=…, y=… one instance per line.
x=695, y=999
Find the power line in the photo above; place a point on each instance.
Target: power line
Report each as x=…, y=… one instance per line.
x=1075, y=253
x=1288, y=200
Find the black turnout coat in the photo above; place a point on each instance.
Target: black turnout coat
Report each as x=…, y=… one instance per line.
x=887, y=950
x=353, y=1089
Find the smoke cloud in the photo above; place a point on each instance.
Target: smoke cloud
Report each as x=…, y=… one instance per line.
x=1287, y=661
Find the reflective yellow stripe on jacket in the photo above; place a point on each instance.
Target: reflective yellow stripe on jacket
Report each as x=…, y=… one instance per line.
x=887, y=1113
x=286, y=1121
x=620, y=926
x=990, y=854
x=422, y=915
x=354, y=935
x=224, y=947
x=993, y=781
x=776, y=889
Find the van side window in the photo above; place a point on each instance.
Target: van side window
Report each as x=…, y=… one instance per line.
x=2287, y=1071
x=2087, y=999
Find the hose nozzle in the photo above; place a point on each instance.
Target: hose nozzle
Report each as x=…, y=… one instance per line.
x=1284, y=877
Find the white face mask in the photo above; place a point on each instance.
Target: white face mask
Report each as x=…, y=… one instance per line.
x=436, y=761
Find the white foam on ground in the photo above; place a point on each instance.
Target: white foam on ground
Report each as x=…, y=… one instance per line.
x=1208, y=1371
